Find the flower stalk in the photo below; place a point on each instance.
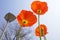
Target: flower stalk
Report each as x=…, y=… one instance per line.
x=39, y=24
x=4, y=30
x=45, y=38
x=18, y=35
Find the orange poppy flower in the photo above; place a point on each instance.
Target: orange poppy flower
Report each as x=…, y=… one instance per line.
x=39, y=7
x=42, y=32
x=26, y=18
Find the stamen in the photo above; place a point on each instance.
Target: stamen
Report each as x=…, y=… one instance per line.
x=25, y=22
x=42, y=31
x=39, y=11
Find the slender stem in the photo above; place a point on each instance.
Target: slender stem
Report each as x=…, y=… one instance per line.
x=4, y=30
x=38, y=25
x=45, y=38
x=18, y=35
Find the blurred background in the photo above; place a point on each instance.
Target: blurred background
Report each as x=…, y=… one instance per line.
x=51, y=19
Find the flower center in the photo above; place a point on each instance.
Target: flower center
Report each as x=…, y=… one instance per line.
x=39, y=11
x=25, y=22
x=42, y=31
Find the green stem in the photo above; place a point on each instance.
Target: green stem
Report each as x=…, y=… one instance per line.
x=18, y=35
x=38, y=25
x=40, y=38
x=4, y=30
x=45, y=38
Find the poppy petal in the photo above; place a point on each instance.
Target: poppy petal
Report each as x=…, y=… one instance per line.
x=38, y=5
x=41, y=30
x=26, y=18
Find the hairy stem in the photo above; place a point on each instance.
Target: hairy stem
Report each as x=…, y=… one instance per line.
x=39, y=24
x=4, y=30
x=18, y=35
x=45, y=38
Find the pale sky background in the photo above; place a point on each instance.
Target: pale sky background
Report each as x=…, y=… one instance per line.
x=51, y=19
